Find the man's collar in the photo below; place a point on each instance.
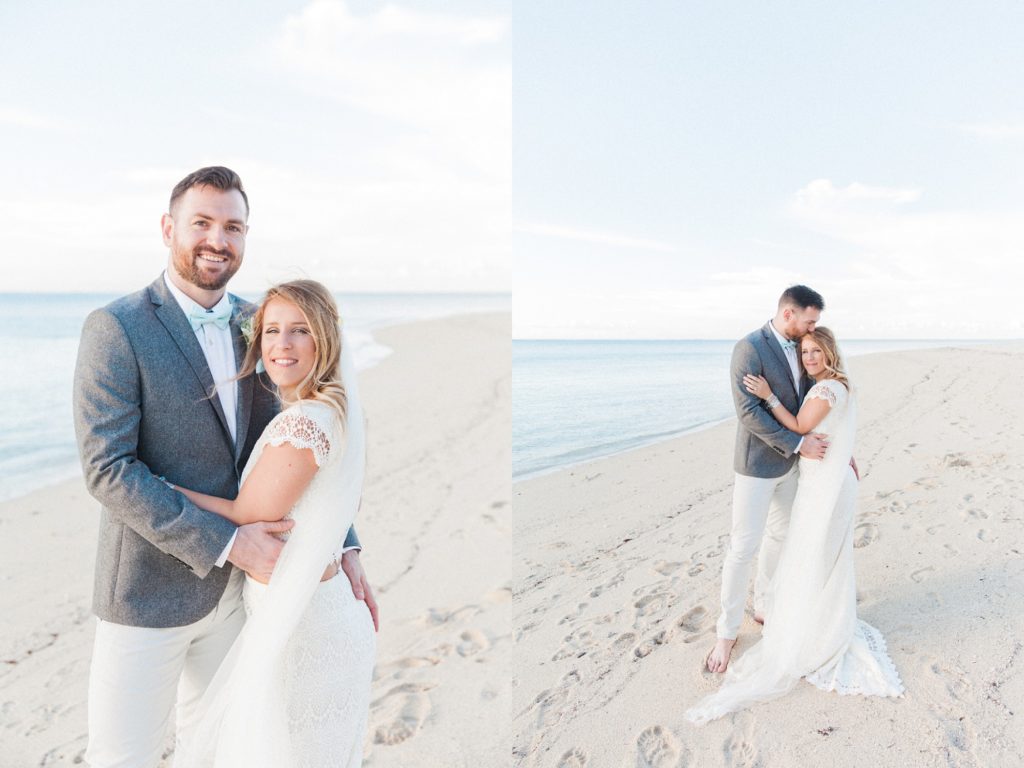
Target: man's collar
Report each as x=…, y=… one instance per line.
x=781, y=338
x=186, y=302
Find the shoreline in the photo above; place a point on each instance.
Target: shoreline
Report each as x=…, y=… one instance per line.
x=711, y=424
x=618, y=591
x=380, y=353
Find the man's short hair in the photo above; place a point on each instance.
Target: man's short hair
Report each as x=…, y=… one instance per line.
x=216, y=176
x=801, y=297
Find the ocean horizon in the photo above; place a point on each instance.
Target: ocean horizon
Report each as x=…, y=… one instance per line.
x=576, y=400
x=41, y=331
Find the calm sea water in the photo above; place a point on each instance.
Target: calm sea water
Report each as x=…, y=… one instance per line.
x=39, y=335
x=573, y=401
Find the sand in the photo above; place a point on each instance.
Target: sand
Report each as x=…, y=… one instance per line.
x=433, y=524
x=616, y=595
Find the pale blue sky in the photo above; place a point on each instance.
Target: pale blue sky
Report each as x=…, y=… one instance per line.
x=373, y=138
x=676, y=165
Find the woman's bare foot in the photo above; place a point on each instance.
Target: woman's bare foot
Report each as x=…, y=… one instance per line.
x=718, y=659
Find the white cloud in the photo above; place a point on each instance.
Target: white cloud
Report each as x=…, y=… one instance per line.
x=444, y=75
x=822, y=193
x=594, y=236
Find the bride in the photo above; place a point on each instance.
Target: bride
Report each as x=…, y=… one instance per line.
x=811, y=628
x=294, y=690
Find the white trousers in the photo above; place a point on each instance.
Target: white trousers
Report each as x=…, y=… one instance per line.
x=138, y=674
x=760, y=520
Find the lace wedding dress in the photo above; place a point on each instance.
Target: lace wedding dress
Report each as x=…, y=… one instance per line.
x=294, y=690
x=811, y=627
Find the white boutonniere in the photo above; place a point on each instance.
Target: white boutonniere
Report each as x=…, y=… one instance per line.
x=248, y=334
x=246, y=328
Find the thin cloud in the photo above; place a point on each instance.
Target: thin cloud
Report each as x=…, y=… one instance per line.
x=594, y=236
x=996, y=130
x=822, y=192
x=27, y=118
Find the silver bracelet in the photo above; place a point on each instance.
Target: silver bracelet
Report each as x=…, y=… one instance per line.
x=773, y=402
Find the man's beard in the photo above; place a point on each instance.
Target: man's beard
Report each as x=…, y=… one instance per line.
x=188, y=265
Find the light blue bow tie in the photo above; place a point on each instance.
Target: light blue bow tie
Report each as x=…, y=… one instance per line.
x=199, y=317
x=788, y=345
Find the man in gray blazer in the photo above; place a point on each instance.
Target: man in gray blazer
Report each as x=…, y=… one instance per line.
x=765, y=460
x=155, y=396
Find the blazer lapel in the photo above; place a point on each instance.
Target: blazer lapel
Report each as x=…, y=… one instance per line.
x=773, y=344
x=180, y=330
x=245, y=385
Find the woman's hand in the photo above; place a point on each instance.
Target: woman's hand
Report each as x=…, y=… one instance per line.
x=757, y=385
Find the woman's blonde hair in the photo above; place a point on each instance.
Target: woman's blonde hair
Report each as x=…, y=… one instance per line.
x=323, y=382
x=825, y=339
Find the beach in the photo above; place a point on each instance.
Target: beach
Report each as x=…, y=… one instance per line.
x=434, y=528
x=617, y=589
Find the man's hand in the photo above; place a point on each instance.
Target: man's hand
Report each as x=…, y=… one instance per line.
x=256, y=550
x=814, y=446
x=353, y=568
x=856, y=472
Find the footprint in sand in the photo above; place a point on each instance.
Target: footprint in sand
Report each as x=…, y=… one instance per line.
x=932, y=530
x=921, y=574
x=665, y=568
x=577, y=643
x=396, y=670
x=400, y=713
x=696, y=569
x=986, y=536
x=693, y=619
x=955, y=460
x=574, y=758
x=645, y=606
x=623, y=641
x=614, y=582
x=741, y=754
x=549, y=705
x=977, y=514
x=568, y=618
x=657, y=747
x=864, y=534
x=472, y=641
x=648, y=645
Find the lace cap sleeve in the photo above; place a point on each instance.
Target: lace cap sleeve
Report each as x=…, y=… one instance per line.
x=302, y=428
x=829, y=390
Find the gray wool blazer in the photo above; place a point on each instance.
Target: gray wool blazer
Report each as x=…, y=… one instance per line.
x=142, y=409
x=764, y=448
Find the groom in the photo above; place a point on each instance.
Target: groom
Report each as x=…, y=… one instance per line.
x=765, y=460
x=167, y=598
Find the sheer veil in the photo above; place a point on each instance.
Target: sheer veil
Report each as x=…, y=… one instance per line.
x=241, y=721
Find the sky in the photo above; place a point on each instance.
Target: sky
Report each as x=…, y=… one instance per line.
x=677, y=165
x=373, y=139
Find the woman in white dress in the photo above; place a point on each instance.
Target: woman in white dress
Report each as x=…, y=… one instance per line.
x=811, y=629
x=294, y=690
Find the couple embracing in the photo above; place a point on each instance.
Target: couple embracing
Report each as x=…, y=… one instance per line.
x=211, y=431
x=794, y=500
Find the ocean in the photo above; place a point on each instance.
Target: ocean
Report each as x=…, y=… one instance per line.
x=39, y=335
x=574, y=401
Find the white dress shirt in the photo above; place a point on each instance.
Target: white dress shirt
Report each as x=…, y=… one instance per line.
x=219, y=352
x=794, y=367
